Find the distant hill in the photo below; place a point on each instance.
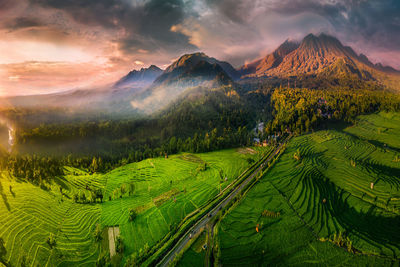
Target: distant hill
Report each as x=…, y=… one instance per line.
x=140, y=78
x=319, y=56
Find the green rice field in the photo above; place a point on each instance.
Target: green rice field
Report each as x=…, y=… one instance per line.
x=336, y=204
x=161, y=191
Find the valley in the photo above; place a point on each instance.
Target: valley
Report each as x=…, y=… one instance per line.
x=336, y=203
x=289, y=159
x=160, y=191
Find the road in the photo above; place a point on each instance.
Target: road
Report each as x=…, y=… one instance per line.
x=206, y=218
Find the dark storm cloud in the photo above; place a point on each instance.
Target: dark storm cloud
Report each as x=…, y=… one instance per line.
x=377, y=22
x=6, y=4
x=144, y=25
x=22, y=22
x=374, y=22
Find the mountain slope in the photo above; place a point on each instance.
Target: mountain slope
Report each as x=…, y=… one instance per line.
x=188, y=61
x=144, y=76
x=270, y=61
x=320, y=56
x=188, y=71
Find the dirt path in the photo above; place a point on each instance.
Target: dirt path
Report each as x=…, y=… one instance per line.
x=113, y=233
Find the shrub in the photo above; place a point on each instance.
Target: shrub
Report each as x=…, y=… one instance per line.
x=272, y=214
x=123, y=189
x=97, y=233
x=202, y=167
x=250, y=161
x=83, y=197
x=51, y=240
x=297, y=155
x=76, y=197
x=119, y=245
x=352, y=163
x=132, y=214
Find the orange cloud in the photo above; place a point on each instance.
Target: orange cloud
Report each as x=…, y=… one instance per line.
x=36, y=77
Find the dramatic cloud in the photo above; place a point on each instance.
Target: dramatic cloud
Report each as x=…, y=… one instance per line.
x=78, y=43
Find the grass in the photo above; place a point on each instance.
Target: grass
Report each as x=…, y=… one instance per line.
x=322, y=195
x=195, y=254
x=164, y=191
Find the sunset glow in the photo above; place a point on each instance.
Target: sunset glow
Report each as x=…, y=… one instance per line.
x=50, y=45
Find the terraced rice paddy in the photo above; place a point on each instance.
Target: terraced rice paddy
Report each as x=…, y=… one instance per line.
x=29, y=214
x=196, y=253
x=326, y=192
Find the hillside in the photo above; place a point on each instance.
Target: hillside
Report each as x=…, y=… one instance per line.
x=270, y=61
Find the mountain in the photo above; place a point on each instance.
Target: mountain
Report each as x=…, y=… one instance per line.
x=142, y=77
x=189, y=71
x=318, y=56
x=188, y=61
x=270, y=61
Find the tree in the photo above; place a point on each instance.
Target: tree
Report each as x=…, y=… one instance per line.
x=76, y=197
x=83, y=197
x=132, y=214
x=119, y=245
x=94, y=166
x=97, y=233
x=131, y=188
x=99, y=194
x=3, y=252
x=307, y=124
x=51, y=240
x=123, y=189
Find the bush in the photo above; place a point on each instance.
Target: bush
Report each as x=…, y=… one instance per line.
x=297, y=155
x=83, y=197
x=97, y=233
x=202, y=167
x=123, y=189
x=119, y=245
x=132, y=214
x=250, y=161
x=76, y=197
x=51, y=240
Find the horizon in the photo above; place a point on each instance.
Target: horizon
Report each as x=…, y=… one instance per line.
x=55, y=46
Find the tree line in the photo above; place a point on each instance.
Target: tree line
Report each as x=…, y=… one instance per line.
x=300, y=110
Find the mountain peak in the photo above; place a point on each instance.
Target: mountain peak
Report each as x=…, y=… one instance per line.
x=286, y=47
x=188, y=61
x=322, y=42
x=270, y=61
x=320, y=54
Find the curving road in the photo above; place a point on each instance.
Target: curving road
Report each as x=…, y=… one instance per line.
x=169, y=257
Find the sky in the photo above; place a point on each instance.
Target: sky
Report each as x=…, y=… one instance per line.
x=49, y=46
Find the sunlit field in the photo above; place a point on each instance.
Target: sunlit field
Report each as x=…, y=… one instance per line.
x=337, y=202
x=161, y=191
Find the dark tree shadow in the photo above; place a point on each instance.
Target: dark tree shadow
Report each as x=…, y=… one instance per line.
x=3, y=195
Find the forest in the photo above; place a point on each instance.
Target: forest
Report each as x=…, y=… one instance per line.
x=200, y=121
